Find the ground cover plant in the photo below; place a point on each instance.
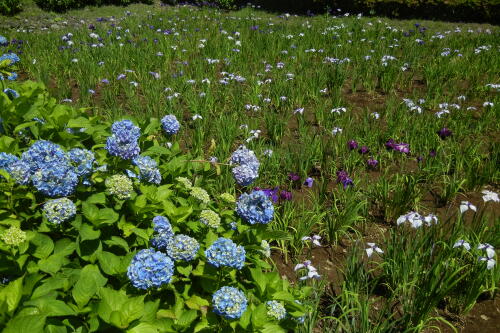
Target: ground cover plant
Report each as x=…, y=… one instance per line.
x=175, y=168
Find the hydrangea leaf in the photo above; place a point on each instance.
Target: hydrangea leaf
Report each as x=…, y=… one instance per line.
x=89, y=283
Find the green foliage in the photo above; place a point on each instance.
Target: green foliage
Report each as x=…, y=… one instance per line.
x=10, y=7
x=73, y=276
x=64, y=5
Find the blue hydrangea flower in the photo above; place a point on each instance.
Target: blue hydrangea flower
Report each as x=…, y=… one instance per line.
x=182, y=247
x=83, y=160
x=6, y=160
x=245, y=156
x=12, y=76
x=150, y=268
x=255, y=207
x=14, y=58
x=148, y=169
x=229, y=302
x=11, y=93
x=20, y=171
x=44, y=154
x=3, y=41
x=165, y=232
x=224, y=252
x=59, y=210
x=275, y=310
x=170, y=124
x=55, y=180
x=124, y=140
x=244, y=175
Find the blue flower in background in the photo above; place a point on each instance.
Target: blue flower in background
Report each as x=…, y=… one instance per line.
x=275, y=310
x=6, y=160
x=20, y=171
x=229, y=302
x=3, y=41
x=55, y=180
x=59, y=210
x=124, y=140
x=170, y=124
x=224, y=252
x=45, y=154
x=148, y=169
x=83, y=160
x=14, y=58
x=150, y=268
x=182, y=247
x=255, y=207
x=165, y=232
x=245, y=175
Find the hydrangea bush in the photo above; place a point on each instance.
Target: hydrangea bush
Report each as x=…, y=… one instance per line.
x=105, y=227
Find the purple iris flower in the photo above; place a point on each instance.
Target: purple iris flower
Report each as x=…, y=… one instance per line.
x=372, y=163
x=272, y=193
x=364, y=150
x=444, y=133
x=432, y=153
x=285, y=195
x=293, y=176
x=309, y=182
x=400, y=147
x=352, y=144
x=91, y=27
x=343, y=177
x=255, y=27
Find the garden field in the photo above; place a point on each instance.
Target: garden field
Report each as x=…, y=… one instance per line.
x=186, y=169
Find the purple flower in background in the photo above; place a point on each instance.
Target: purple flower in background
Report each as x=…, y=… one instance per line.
x=254, y=27
x=444, y=133
x=364, y=150
x=91, y=27
x=352, y=144
x=432, y=153
x=105, y=81
x=272, y=193
x=293, y=176
x=309, y=182
x=343, y=177
x=400, y=147
x=372, y=163
x=285, y=195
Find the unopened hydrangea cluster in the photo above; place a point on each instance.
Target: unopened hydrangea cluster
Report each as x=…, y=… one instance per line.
x=60, y=210
x=210, y=218
x=119, y=186
x=247, y=166
x=13, y=236
x=200, y=194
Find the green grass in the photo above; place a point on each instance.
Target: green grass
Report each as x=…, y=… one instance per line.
x=419, y=269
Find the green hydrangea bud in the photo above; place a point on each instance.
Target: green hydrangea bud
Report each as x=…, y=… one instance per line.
x=184, y=181
x=210, y=218
x=119, y=186
x=13, y=236
x=227, y=197
x=200, y=194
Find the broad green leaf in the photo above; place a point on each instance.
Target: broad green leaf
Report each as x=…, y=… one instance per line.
x=89, y=283
x=111, y=301
x=48, y=285
x=51, y=307
x=259, y=279
x=110, y=263
x=28, y=324
x=187, y=317
x=196, y=302
x=44, y=245
x=52, y=264
x=143, y=328
x=11, y=294
x=87, y=232
x=132, y=309
x=259, y=316
x=98, y=198
x=273, y=328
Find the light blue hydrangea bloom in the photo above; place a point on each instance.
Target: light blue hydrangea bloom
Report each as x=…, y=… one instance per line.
x=11, y=93
x=6, y=160
x=3, y=41
x=55, y=180
x=255, y=207
x=244, y=175
x=275, y=310
x=45, y=154
x=245, y=156
x=20, y=171
x=124, y=140
x=164, y=232
x=170, y=124
x=148, y=169
x=182, y=247
x=224, y=252
x=60, y=210
x=150, y=268
x=83, y=160
x=14, y=58
x=229, y=302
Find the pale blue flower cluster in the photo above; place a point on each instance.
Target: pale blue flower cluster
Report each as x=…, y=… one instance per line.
x=58, y=181
x=150, y=268
x=20, y=172
x=3, y=41
x=148, y=169
x=170, y=124
x=124, y=140
x=275, y=310
x=164, y=232
x=224, y=252
x=45, y=154
x=255, y=207
x=229, y=302
x=182, y=247
x=247, y=169
x=6, y=161
x=83, y=161
x=60, y=210
x=12, y=59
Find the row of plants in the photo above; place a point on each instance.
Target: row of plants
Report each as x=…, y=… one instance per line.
x=105, y=226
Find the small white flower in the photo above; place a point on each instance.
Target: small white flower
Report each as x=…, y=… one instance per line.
x=466, y=205
x=336, y=130
x=463, y=243
x=490, y=196
x=169, y=145
x=430, y=218
x=486, y=104
x=268, y=152
x=299, y=110
x=315, y=239
x=197, y=116
x=74, y=60
x=375, y=115
x=372, y=247
x=490, y=250
x=490, y=262
x=416, y=220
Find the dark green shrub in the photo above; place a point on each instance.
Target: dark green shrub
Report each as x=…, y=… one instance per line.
x=64, y=5
x=10, y=7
